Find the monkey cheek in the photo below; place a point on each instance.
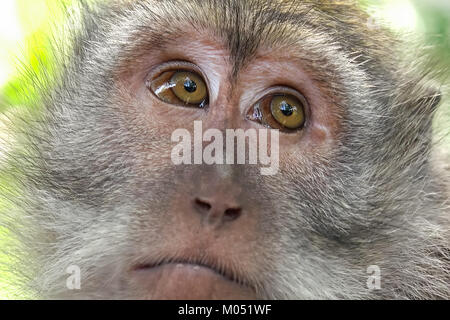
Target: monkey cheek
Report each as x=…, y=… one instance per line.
x=187, y=282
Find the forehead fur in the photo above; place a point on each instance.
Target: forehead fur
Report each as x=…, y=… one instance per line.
x=247, y=25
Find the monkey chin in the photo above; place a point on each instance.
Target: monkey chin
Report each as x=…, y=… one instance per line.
x=181, y=281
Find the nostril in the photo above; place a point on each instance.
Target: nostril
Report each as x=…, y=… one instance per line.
x=214, y=210
x=202, y=204
x=232, y=213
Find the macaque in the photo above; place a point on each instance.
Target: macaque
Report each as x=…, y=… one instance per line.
x=357, y=208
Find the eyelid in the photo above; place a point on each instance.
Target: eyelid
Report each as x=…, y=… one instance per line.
x=280, y=89
x=176, y=65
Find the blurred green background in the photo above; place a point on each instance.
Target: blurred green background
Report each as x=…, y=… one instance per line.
x=24, y=24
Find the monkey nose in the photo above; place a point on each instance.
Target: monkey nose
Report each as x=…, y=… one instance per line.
x=216, y=210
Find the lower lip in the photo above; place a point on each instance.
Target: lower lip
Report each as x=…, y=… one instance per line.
x=187, y=282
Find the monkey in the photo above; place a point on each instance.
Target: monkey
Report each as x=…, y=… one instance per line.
x=359, y=207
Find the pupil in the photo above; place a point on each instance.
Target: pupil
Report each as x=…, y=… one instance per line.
x=190, y=86
x=286, y=109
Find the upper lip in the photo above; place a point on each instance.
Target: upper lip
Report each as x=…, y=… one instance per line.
x=226, y=270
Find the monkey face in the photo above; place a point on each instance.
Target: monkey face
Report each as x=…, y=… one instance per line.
x=203, y=229
x=108, y=196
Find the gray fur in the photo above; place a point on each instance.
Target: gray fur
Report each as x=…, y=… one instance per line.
x=83, y=190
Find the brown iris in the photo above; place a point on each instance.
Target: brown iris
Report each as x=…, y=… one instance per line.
x=280, y=111
x=180, y=87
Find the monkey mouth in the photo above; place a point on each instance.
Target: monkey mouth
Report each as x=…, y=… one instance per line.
x=227, y=274
x=191, y=280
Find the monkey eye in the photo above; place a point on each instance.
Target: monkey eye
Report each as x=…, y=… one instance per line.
x=180, y=87
x=280, y=111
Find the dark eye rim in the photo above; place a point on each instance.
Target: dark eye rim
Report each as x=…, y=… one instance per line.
x=177, y=66
x=283, y=90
